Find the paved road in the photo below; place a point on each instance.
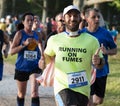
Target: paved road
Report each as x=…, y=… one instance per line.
x=8, y=90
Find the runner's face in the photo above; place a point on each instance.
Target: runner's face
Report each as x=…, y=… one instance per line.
x=36, y=23
x=28, y=22
x=60, y=24
x=93, y=19
x=72, y=20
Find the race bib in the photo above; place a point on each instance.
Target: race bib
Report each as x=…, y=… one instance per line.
x=77, y=79
x=30, y=55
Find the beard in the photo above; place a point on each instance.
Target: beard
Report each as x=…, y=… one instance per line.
x=74, y=27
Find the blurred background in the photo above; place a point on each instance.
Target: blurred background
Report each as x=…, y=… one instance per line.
x=49, y=8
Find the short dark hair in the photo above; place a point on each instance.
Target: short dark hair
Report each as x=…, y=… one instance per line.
x=27, y=13
x=87, y=11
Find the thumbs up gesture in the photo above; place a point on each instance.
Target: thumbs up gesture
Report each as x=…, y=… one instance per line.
x=96, y=58
x=103, y=49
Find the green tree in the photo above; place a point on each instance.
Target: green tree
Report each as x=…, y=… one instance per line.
x=43, y=8
x=48, y=7
x=115, y=3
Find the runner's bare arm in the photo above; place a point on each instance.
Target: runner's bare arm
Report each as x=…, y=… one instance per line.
x=6, y=45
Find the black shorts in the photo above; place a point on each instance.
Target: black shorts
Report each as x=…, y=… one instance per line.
x=70, y=97
x=99, y=86
x=24, y=76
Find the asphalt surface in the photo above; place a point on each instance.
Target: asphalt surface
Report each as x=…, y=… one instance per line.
x=8, y=90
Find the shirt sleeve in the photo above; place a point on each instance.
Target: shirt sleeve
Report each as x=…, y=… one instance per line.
x=110, y=42
x=49, y=50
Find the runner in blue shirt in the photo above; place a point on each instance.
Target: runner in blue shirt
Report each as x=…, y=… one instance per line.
x=27, y=44
x=108, y=48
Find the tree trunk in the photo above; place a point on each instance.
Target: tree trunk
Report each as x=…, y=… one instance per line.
x=2, y=8
x=78, y=3
x=44, y=11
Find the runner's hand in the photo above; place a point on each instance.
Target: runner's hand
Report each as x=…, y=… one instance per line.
x=41, y=63
x=103, y=49
x=96, y=57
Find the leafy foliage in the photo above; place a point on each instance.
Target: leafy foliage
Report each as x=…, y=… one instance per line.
x=115, y=3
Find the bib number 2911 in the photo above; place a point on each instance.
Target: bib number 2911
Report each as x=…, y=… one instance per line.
x=77, y=79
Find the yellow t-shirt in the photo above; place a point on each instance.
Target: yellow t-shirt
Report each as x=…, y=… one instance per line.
x=3, y=26
x=73, y=56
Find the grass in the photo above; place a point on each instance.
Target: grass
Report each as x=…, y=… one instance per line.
x=11, y=59
x=112, y=97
